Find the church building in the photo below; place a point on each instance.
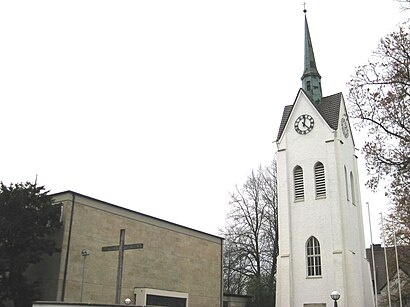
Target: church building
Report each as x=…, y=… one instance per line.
x=109, y=253
x=321, y=236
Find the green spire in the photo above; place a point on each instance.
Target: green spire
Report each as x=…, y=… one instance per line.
x=311, y=77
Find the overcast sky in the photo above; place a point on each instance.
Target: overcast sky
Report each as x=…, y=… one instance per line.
x=163, y=106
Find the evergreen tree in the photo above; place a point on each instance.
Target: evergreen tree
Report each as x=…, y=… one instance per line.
x=28, y=218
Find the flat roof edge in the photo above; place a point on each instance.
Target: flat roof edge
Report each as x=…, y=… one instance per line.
x=136, y=212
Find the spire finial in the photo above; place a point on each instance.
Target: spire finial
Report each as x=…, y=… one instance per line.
x=304, y=7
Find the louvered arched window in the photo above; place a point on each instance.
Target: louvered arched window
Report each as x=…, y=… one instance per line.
x=320, y=182
x=298, y=183
x=314, y=262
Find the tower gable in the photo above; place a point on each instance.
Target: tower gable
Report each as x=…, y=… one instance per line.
x=328, y=109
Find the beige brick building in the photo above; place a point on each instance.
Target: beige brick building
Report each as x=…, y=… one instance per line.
x=176, y=263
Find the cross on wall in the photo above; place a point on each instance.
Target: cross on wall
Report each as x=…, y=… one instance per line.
x=121, y=247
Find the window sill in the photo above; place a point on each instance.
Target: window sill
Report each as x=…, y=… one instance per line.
x=313, y=277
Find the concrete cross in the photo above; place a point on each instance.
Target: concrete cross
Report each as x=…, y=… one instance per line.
x=120, y=248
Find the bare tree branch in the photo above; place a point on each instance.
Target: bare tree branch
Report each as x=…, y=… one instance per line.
x=251, y=242
x=379, y=93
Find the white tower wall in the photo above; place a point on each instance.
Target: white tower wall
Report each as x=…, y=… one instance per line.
x=335, y=221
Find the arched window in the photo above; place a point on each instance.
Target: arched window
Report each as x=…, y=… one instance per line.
x=346, y=184
x=320, y=183
x=352, y=189
x=298, y=183
x=314, y=264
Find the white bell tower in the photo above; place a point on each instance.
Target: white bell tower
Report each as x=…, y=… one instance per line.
x=321, y=237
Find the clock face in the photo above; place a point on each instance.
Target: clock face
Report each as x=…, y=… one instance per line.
x=304, y=124
x=345, y=127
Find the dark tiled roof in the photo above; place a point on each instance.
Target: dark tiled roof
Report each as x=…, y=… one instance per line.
x=286, y=112
x=329, y=109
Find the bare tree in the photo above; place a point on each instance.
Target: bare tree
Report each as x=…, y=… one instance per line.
x=251, y=241
x=405, y=4
x=380, y=98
